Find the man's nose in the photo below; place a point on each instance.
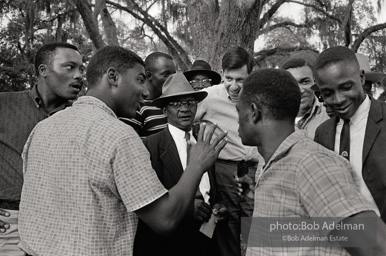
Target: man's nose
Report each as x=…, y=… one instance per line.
x=145, y=92
x=339, y=98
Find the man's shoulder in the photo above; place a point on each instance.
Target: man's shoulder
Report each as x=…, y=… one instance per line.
x=153, y=141
x=9, y=96
x=309, y=151
x=327, y=124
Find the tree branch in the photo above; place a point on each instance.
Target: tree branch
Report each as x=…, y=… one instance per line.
x=268, y=15
x=284, y=25
x=366, y=33
x=316, y=8
x=261, y=55
x=175, y=49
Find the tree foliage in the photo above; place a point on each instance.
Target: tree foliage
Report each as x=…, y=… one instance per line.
x=187, y=29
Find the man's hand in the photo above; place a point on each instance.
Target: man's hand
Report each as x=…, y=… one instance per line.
x=3, y=225
x=202, y=210
x=206, y=150
x=249, y=185
x=221, y=211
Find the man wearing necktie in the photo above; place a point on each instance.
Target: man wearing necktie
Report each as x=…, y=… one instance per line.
x=358, y=131
x=169, y=152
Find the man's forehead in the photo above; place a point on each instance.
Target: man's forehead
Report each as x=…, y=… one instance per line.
x=67, y=54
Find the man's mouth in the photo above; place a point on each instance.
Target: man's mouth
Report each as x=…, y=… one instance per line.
x=77, y=86
x=342, y=109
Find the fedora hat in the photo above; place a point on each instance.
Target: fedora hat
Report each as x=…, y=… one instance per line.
x=373, y=77
x=175, y=86
x=200, y=67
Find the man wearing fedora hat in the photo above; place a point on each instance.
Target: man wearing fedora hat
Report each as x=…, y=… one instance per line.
x=358, y=132
x=169, y=156
x=371, y=78
x=202, y=76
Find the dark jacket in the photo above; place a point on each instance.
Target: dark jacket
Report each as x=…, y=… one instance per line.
x=186, y=240
x=374, y=151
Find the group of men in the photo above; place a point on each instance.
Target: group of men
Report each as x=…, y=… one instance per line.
x=86, y=184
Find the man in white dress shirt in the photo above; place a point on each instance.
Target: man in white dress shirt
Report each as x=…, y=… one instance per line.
x=169, y=156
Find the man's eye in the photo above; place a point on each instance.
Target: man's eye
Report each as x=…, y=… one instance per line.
x=69, y=67
x=347, y=87
x=141, y=81
x=326, y=93
x=305, y=82
x=229, y=79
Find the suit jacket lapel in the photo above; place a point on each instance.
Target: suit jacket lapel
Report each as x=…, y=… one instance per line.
x=169, y=156
x=329, y=133
x=372, y=129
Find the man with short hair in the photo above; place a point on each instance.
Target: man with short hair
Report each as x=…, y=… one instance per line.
x=311, y=112
x=358, y=132
x=297, y=177
x=150, y=119
x=59, y=70
x=87, y=175
x=169, y=156
x=220, y=108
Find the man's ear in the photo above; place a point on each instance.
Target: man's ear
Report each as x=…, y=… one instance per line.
x=165, y=112
x=43, y=70
x=256, y=113
x=363, y=77
x=112, y=76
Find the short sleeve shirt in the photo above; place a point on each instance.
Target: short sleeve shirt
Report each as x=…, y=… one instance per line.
x=304, y=179
x=85, y=173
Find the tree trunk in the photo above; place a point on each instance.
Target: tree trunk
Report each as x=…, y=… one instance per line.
x=90, y=23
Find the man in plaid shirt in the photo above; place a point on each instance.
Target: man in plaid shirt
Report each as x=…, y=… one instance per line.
x=297, y=177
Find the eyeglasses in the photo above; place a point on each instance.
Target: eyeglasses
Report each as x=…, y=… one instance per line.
x=178, y=104
x=203, y=82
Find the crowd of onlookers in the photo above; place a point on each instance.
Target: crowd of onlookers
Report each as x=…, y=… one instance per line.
x=152, y=161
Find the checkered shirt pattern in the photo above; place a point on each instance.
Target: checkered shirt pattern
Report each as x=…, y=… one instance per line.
x=85, y=173
x=303, y=179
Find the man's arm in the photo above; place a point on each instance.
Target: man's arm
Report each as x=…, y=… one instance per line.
x=3, y=225
x=365, y=235
x=164, y=214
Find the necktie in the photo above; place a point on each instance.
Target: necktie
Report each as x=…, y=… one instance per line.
x=187, y=136
x=344, y=149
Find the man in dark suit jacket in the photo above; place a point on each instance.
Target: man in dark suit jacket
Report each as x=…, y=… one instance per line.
x=340, y=81
x=169, y=154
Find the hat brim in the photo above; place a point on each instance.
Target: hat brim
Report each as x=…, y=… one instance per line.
x=162, y=101
x=216, y=78
x=374, y=77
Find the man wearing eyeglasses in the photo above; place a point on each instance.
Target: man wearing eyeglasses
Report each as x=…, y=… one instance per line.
x=311, y=113
x=169, y=157
x=202, y=76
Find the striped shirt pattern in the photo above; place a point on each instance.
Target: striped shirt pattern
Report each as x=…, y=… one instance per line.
x=148, y=120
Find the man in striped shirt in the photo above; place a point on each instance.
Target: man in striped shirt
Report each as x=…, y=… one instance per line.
x=150, y=119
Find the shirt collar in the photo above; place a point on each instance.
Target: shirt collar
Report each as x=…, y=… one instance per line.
x=177, y=132
x=316, y=107
x=286, y=145
x=90, y=100
x=38, y=102
x=36, y=97
x=361, y=112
